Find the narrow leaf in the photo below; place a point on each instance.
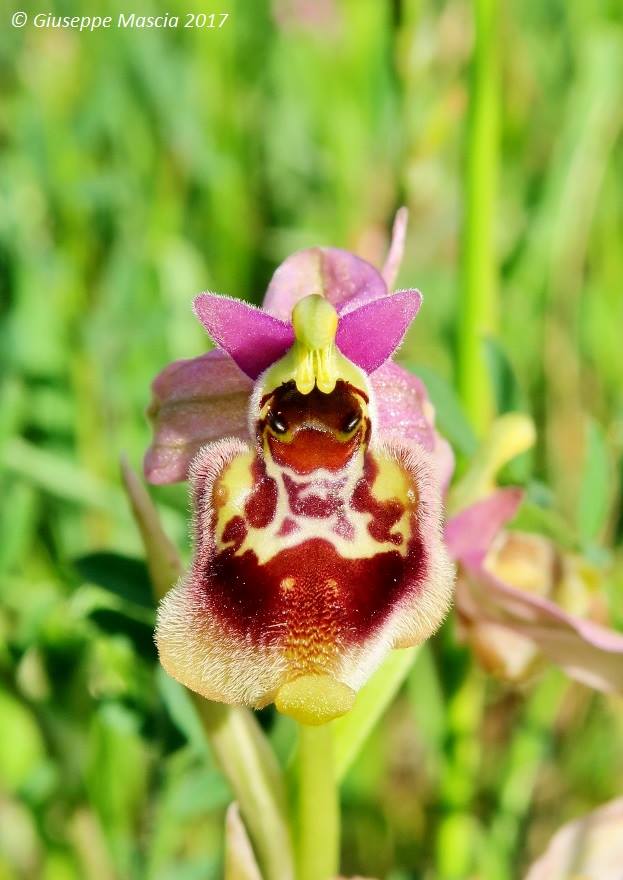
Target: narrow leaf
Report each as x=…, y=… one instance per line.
x=121, y=575
x=352, y=730
x=163, y=561
x=594, y=499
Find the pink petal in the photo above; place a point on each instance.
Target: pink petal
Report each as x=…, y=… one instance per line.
x=445, y=461
x=405, y=412
x=252, y=337
x=396, y=249
x=590, y=847
x=402, y=405
x=194, y=401
x=470, y=533
x=370, y=333
x=339, y=275
x=588, y=652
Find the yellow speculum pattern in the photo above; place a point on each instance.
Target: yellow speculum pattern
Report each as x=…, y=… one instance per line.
x=236, y=483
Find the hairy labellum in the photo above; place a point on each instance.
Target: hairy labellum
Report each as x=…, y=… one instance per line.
x=318, y=543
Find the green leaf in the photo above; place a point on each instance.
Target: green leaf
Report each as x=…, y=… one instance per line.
x=116, y=778
x=18, y=522
x=200, y=791
x=595, y=488
x=121, y=575
x=182, y=710
x=21, y=744
x=60, y=476
x=351, y=730
x=426, y=697
x=140, y=632
x=508, y=394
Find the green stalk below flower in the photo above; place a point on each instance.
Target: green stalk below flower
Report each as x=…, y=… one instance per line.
x=318, y=805
x=246, y=759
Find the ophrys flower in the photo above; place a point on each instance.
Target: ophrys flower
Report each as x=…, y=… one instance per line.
x=318, y=542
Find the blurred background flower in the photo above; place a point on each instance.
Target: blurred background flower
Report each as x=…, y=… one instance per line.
x=591, y=846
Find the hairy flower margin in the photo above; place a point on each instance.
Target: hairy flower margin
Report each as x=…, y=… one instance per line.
x=317, y=479
x=316, y=482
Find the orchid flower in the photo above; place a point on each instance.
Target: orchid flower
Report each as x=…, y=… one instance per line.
x=591, y=846
x=520, y=599
x=318, y=541
x=206, y=398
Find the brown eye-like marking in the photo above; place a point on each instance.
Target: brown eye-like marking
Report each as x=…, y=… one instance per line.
x=351, y=421
x=277, y=422
x=306, y=432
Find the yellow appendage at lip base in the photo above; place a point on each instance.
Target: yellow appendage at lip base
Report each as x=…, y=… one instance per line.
x=314, y=699
x=314, y=359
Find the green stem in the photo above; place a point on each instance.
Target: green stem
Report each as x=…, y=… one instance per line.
x=318, y=805
x=477, y=315
x=457, y=830
x=477, y=318
x=246, y=759
x=529, y=747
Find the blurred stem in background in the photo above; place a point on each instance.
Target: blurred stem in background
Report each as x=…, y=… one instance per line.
x=529, y=748
x=477, y=286
x=456, y=838
x=457, y=832
x=592, y=124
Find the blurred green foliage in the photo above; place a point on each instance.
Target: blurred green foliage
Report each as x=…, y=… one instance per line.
x=140, y=167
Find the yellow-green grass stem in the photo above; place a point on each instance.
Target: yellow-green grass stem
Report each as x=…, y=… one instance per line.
x=529, y=747
x=318, y=805
x=457, y=833
x=247, y=761
x=477, y=304
x=477, y=320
